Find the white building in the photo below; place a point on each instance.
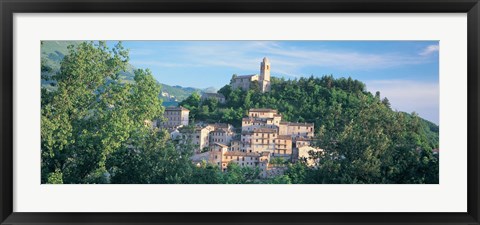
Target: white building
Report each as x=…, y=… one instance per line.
x=244, y=82
x=175, y=117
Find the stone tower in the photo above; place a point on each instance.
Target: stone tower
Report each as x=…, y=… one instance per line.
x=265, y=69
x=264, y=78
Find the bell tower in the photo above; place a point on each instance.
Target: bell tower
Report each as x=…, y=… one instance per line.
x=264, y=78
x=265, y=69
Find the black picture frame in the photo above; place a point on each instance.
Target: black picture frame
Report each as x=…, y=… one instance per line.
x=9, y=7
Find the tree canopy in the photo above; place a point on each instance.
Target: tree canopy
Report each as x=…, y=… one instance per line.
x=97, y=129
x=364, y=140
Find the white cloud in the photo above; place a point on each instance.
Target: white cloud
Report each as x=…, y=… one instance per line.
x=288, y=60
x=429, y=50
x=410, y=96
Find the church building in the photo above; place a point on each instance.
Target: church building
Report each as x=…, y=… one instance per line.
x=245, y=81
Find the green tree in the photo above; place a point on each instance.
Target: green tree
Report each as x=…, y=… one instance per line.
x=386, y=102
x=97, y=129
x=365, y=141
x=70, y=139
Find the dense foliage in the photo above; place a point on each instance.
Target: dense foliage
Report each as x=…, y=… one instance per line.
x=93, y=124
x=95, y=128
x=365, y=141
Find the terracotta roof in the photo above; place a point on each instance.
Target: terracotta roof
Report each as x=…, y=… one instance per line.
x=256, y=119
x=221, y=145
x=264, y=130
x=219, y=130
x=296, y=124
x=220, y=125
x=176, y=109
x=263, y=110
x=303, y=139
x=239, y=153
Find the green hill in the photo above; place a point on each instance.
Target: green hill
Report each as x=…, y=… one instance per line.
x=52, y=53
x=363, y=139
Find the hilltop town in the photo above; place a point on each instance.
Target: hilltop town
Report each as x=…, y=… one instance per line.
x=264, y=139
x=96, y=127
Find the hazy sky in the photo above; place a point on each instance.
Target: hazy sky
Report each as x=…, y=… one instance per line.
x=406, y=72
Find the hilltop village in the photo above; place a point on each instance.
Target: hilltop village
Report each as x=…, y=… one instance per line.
x=264, y=139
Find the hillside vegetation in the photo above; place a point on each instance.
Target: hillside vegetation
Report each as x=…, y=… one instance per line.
x=364, y=139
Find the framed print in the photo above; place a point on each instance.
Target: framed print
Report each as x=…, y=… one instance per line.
x=263, y=112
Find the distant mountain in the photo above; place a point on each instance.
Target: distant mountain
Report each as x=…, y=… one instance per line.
x=175, y=94
x=210, y=90
x=54, y=51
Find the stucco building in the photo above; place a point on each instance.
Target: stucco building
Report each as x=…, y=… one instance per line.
x=201, y=137
x=244, y=82
x=263, y=136
x=175, y=117
x=261, y=118
x=260, y=133
x=221, y=135
x=297, y=130
x=221, y=156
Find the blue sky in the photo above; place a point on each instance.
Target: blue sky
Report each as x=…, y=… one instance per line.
x=406, y=72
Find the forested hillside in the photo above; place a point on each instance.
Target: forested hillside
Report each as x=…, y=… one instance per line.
x=365, y=140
